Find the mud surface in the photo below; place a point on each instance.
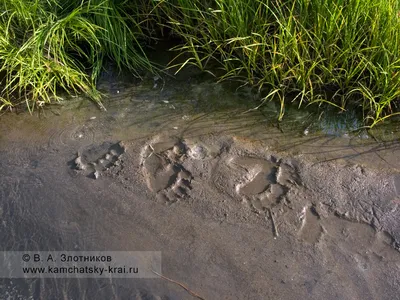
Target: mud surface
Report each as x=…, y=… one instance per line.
x=240, y=209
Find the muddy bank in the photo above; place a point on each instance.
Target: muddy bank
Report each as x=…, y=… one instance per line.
x=238, y=208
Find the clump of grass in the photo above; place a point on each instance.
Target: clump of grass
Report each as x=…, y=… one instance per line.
x=48, y=45
x=338, y=52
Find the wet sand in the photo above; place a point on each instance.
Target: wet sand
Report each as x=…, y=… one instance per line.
x=238, y=208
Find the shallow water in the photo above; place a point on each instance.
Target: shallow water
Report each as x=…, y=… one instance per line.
x=241, y=207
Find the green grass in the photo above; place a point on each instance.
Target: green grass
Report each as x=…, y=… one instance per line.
x=339, y=52
x=52, y=45
x=343, y=53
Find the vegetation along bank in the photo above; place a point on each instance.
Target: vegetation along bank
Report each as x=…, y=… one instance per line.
x=343, y=53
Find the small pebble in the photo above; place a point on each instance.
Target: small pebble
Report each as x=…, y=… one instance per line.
x=197, y=152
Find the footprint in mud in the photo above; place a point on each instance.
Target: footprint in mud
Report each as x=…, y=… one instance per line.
x=261, y=174
x=163, y=170
x=261, y=183
x=95, y=160
x=310, y=229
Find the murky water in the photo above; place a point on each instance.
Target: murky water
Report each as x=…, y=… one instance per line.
x=241, y=206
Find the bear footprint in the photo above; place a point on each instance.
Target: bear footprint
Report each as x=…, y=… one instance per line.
x=93, y=161
x=164, y=173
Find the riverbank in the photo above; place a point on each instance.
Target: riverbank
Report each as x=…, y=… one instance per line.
x=239, y=208
x=341, y=53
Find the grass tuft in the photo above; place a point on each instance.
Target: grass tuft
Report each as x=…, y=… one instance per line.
x=52, y=45
x=341, y=52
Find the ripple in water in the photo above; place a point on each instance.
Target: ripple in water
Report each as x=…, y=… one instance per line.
x=74, y=136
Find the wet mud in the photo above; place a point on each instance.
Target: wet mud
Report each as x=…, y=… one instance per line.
x=238, y=208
